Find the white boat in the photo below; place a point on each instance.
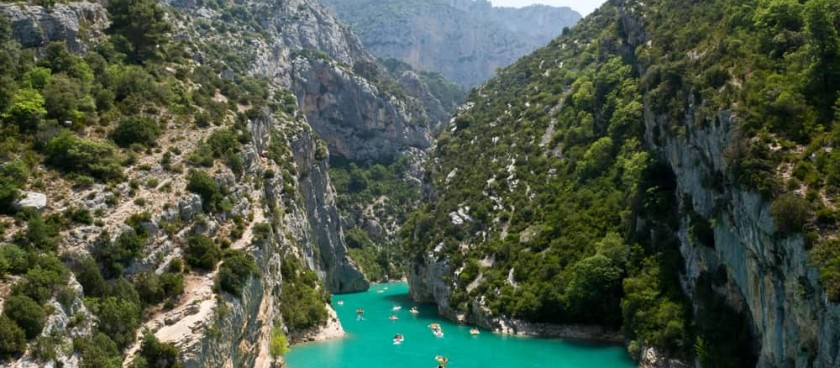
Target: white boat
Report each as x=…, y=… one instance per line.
x=396, y=308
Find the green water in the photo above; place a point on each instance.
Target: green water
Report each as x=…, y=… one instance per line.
x=369, y=342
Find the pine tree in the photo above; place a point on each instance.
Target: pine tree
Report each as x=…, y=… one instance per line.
x=138, y=27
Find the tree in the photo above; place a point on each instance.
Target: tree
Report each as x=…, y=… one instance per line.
x=139, y=28
x=27, y=110
x=135, y=129
x=822, y=21
x=202, y=253
x=28, y=314
x=235, y=269
x=12, y=338
x=118, y=319
x=594, y=290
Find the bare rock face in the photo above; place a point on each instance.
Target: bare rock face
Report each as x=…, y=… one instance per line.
x=77, y=24
x=463, y=40
x=353, y=116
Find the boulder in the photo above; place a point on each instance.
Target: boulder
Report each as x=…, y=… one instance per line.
x=32, y=200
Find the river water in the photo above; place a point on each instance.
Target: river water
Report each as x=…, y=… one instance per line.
x=369, y=341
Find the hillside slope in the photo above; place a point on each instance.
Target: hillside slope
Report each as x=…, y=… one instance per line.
x=164, y=169
x=666, y=169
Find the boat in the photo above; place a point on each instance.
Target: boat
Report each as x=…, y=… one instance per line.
x=396, y=308
x=414, y=310
x=434, y=326
x=399, y=339
x=474, y=331
x=438, y=333
x=441, y=360
x=340, y=302
x=393, y=317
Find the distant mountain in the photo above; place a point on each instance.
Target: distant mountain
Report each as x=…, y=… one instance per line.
x=463, y=40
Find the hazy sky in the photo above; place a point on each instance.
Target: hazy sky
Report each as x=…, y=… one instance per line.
x=583, y=7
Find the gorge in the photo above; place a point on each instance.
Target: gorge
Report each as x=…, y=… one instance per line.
x=196, y=183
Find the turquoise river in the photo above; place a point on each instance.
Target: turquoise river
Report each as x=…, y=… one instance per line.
x=369, y=341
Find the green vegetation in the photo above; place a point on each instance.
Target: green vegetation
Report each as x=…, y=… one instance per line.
x=155, y=354
x=279, y=344
x=383, y=187
x=12, y=338
x=138, y=28
x=201, y=252
x=28, y=314
x=135, y=130
x=213, y=196
x=236, y=268
x=302, y=299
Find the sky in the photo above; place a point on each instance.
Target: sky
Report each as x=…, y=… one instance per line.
x=584, y=7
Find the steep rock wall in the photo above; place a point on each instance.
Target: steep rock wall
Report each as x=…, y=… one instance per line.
x=78, y=24
x=465, y=41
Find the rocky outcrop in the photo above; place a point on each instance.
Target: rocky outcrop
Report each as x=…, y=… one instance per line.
x=339, y=272
x=31, y=200
x=353, y=116
x=463, y=40
x=650, y=358
x=78, y=24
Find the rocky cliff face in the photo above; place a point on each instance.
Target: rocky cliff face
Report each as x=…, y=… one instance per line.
x=465, y=40
x=76, y=24
x=309, y=52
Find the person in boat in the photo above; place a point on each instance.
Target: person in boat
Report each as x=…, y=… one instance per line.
x=393, y=317
x=340, y=302
x=442, y=361
x=414, y=310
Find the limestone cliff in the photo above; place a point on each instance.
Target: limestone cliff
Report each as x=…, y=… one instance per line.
x=348, y=97
x=463, y=40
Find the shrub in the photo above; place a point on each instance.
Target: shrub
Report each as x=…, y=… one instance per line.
x=158, y=354
x=12, y=338
x=116, y=255
x=118, y=318
x=136, y=130
x=212, y=195
x=40, y=281
x=13, y=175
x=39, y=234
x=202, y=253
x=27, y=313
x=88, y=275
x=279, y=344
x=791, y=213
x=222, y=142
x=154, y=289
x=235, y=270
x=27, y=110
x=72, y=154
x=98, y=352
